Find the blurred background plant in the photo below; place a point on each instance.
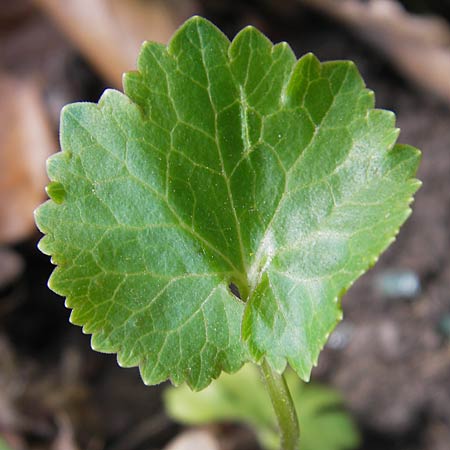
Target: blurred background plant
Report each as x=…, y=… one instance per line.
x=389, y=360
x=242, y=398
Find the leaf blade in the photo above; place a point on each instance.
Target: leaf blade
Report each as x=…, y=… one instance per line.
x=224, y=163
x=315, y=261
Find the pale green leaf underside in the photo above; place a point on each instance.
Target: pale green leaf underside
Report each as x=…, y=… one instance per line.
x=222, y=163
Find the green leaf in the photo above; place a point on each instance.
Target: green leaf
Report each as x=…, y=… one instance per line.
x=3, y=445
x=225, y=167
x=243, y=398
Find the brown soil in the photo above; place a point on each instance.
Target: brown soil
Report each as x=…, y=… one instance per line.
x=394, y=371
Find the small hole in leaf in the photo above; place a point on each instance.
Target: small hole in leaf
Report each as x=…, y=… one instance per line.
x=235, y=290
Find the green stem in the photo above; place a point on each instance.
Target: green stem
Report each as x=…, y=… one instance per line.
x=283, y=406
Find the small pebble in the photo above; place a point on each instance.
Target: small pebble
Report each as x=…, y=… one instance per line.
x=341, y=336
x=397, y=284
x=444, y=325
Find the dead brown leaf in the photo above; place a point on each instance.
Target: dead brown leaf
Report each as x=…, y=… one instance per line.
x=26, y=141
x=418, y=46
x=110, y=32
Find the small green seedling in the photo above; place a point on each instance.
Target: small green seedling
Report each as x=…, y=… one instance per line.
x=242, y=398
x=3, y=445
x=217, y=211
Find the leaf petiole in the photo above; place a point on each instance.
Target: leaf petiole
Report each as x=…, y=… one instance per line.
x=284, y=407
